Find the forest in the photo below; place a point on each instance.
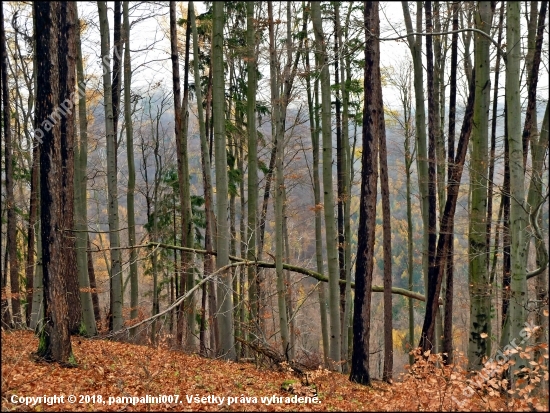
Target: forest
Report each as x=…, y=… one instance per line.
x=295, y=205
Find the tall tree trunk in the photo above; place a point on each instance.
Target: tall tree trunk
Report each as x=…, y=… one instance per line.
x=80, y=201
x=373, y=124
x=432, y=116
x=115, y=318
x=206, y=171
x=31, y=233
x=447, y=346
x=185, y=199
x=278, y=137
x=518, y=214
x=4, y=307
x=134, y=284
x=345, y=69
x=67, y=79
x=314, y=130
x=252, y=183
x=386, y=228
x=340, y=170
x=490, y=179
x=447, y=222
x=415, y=45
x=57, y=29
x=480, y=295
x=11, y=240
x=506, y=262
x=330, y=227
x=225, y=310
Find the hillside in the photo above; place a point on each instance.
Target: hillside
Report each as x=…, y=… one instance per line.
x=112, y=370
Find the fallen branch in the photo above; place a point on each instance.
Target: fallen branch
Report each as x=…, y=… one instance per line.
x=290, y=267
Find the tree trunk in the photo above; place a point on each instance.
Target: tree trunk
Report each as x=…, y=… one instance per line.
x=185, y=199
x=252, y=184
x=115, y=318
x=432, y=184
x=373, y=124
x=93, y=285
x=134, y=284
x=490, y=180
x=447, y=222
x=447, y=347
x=386, y=228
x=330, y=227
x=80, y=200
x=56, y=29
x=420, y=127
x=225, y=310
x=518, y=214
x=11, y=239
x=32, y=233
x=480, y=290
x=207, y=181
x=278, y=137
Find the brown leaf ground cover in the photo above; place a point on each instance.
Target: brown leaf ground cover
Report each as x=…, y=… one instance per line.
x=117, y=371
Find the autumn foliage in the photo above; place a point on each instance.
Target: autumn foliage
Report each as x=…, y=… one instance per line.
x=114, y=369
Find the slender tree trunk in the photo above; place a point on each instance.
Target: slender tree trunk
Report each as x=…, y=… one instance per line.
x=345, y=70
x=432, y=199
x=4, y=307
x=490, y=180
x=134, y=284
x=80, y=201
x=533, y=65
x=93, y=285
x=252, y=184
x=480, y=290
x=185, y=199
x=386, y=228
x=506, y=262
x=447, y=347
x=206, y=168
x=114, y=238
x=340, y=168
x=225, y=310
x=447, y=221
x=31, y=233
x=278, y=137
x=314, y=129
x=11, y=239
x=330, y=227
x=415, y=46
x=373, y=124
x=518, y=215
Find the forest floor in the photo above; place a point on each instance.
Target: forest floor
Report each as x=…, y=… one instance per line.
x=107, y=374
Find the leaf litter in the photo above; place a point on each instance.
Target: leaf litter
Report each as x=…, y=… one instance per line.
x=117, y=369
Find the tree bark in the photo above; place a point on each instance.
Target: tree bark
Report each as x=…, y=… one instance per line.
x=80, y=200
x=115, y=317
x=447, y=345
x=225, y=310
x=252, y=183
x=447, y=222
x=480, y=290
x=373, y=123
x=330, y=227
x=11, y=239
x=57, y=21
x=134, y=284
